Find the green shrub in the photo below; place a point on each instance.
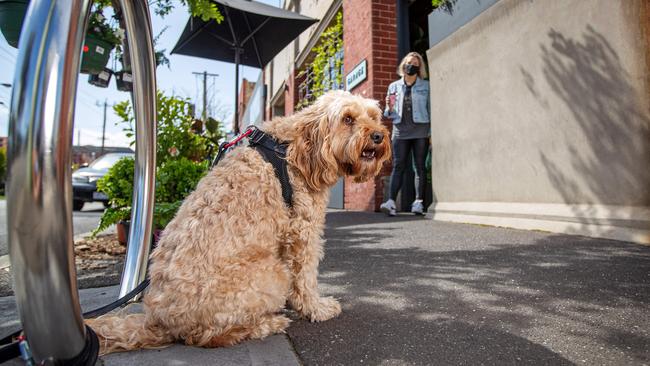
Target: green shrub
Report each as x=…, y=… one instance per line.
x=164, y=212
x=118, y=183
x=183, y=153
x=118, y=186
x=175, y=137
x=176, y=179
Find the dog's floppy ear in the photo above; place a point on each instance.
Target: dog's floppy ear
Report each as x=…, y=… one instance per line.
x=310, y=151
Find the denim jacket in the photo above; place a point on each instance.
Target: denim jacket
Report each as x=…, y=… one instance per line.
x=419, y=98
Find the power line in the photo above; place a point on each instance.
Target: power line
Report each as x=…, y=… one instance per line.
x=104, y=123
x=205, y=95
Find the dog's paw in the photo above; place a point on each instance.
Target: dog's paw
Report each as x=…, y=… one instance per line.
x=324, y=309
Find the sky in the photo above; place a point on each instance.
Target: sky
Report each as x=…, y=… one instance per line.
x=177, y=80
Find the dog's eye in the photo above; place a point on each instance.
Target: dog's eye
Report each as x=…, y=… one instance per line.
x=348, y=120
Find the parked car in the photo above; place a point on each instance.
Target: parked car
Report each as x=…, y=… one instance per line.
x=84, y=180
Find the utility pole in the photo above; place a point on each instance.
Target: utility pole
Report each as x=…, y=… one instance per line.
x=78, y=137
x=204, y=115
x=104, y=124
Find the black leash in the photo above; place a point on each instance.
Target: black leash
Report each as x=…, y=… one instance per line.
x=117, y=303
x=11, y=348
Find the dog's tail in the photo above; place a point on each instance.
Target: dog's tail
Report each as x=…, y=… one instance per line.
x=124, y=333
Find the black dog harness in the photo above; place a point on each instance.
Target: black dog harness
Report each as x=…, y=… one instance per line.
x=274, y=152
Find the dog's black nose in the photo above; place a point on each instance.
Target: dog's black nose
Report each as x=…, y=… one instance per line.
x=377, y=137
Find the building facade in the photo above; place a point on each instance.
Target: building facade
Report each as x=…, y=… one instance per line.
x=373, y=40
x=546, y=127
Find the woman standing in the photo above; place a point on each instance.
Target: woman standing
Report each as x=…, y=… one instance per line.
x=407, y=104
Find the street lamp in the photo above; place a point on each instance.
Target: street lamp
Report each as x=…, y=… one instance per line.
x=6, y=85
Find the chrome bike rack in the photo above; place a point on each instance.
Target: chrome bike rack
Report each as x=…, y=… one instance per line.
x=39, y=194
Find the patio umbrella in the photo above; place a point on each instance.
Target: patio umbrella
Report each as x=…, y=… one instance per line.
x=251, y=34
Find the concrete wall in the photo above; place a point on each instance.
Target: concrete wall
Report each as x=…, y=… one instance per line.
x=314, y=9
x=540, y=111
x=282, y=66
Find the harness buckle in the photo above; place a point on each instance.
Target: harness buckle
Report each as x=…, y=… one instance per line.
x=256, y=135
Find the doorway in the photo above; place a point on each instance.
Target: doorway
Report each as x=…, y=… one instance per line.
x=413, y=35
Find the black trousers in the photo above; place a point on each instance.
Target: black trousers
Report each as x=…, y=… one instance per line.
x=401, y=151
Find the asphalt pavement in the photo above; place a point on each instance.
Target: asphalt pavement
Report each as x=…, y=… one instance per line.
x=419, y=292
x=83, y=221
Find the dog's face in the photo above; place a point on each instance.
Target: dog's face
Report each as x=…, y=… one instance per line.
x=340, y=134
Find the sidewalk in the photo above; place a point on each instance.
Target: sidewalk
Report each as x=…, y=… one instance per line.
x=419, y=292
x=275, y=350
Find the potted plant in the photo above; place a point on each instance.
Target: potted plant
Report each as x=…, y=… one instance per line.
x=12, y=14
x=100, y=40
x=101, y=79
x=182, y=160
x=124, y=80
x=124, y=77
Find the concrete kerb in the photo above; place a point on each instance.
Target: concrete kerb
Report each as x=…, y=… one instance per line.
x=273, y=350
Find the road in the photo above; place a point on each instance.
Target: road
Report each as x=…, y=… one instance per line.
x=83, y=221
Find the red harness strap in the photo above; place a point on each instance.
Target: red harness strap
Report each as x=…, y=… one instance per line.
x=238, y=138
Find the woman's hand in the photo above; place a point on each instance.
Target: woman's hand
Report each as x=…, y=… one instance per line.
x=390, y=101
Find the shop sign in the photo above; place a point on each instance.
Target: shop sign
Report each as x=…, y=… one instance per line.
x=356, y=76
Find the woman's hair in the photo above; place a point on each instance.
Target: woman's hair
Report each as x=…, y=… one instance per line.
x=423, y=67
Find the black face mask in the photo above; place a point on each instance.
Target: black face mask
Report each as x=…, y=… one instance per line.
x=411, y=69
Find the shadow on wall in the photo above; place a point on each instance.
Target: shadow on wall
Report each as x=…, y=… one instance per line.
x=509, y=297
x=610, y=153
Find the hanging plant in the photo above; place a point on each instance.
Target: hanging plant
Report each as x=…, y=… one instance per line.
x=101, y=39
x=326, y=70
x=101, y=79
x=12, y=14
x=124, y=81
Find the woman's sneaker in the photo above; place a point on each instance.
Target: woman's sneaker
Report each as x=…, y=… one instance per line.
x=388, y=208
x=417, y=207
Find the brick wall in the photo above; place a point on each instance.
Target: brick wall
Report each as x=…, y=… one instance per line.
x=245, y=93
x=370, y=33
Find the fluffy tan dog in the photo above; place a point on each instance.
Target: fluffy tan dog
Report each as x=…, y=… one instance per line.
x=235, y=253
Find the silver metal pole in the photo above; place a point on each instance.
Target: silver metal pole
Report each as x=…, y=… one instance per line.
x=140, y=41
x=39, y=197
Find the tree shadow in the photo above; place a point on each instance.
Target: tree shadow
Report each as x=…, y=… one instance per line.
x=608, y=138
x=473, y=295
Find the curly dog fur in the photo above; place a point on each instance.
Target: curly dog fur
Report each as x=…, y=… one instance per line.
x=234, y=255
